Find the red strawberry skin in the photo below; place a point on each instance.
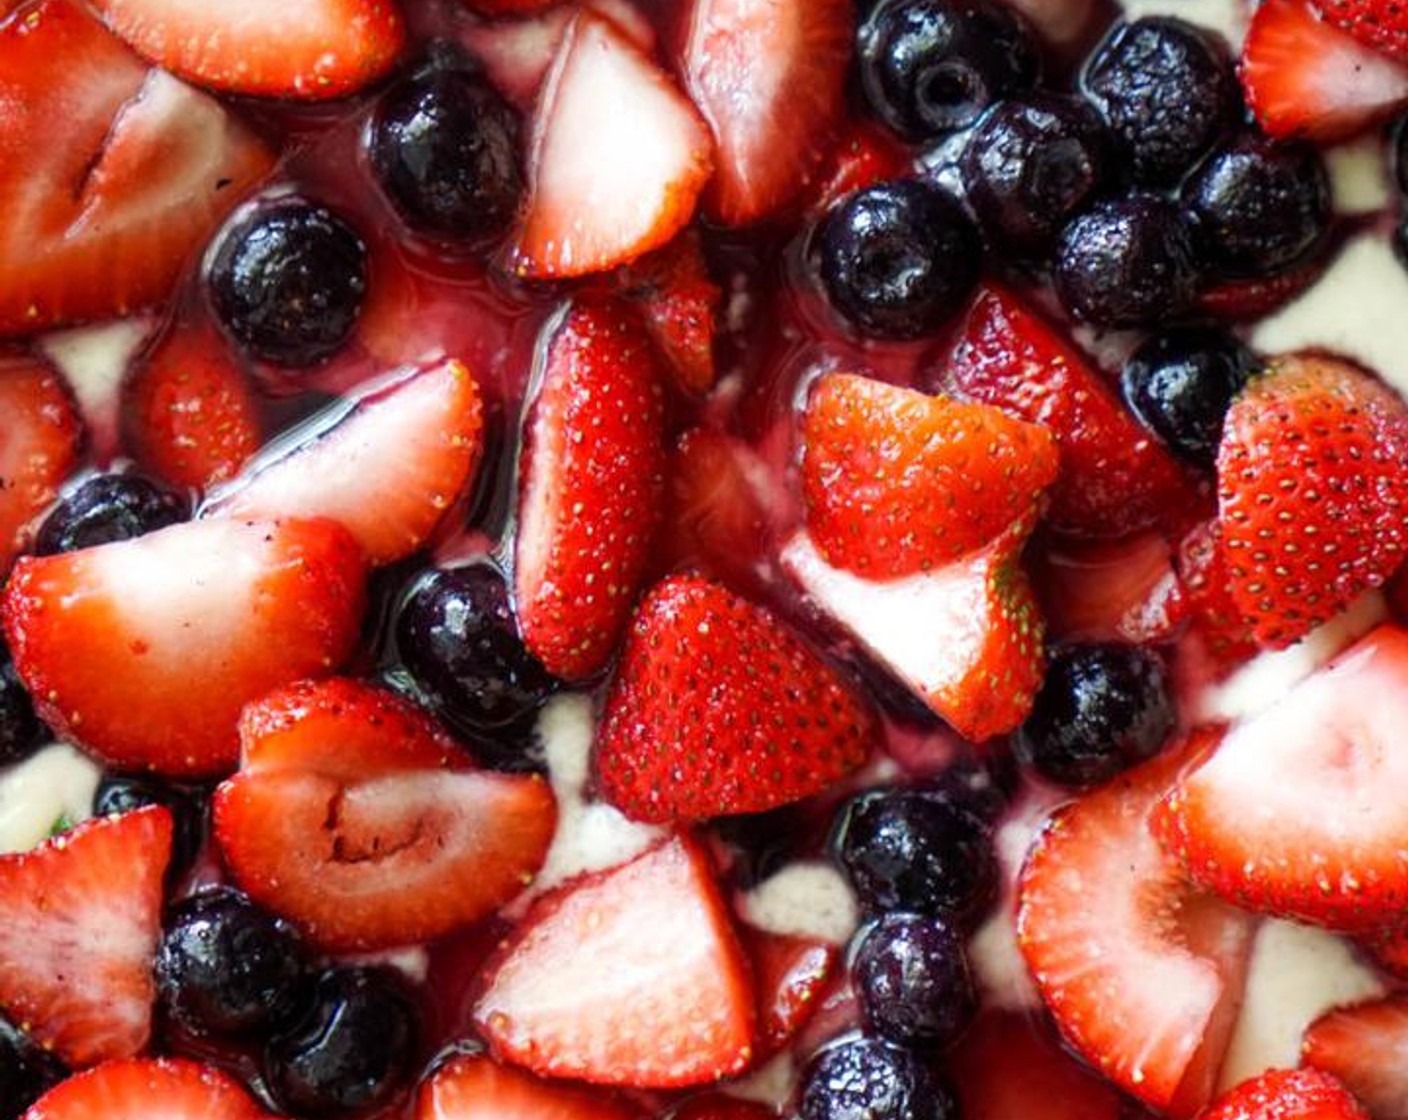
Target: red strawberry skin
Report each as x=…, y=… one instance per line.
x=791, y=974
x=80, y=917
x=145, y=1087
x=1364, y=1047
x=717, y=708
x=1213, y=614
x=475, y=1087
x=40, y=435
x=1287, y=1094
x=1380, y=24
x=593, y=475
x=680, y=305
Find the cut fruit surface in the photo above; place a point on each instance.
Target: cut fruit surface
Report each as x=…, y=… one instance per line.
x=144, y=1088
x=40, y=436
x=1366, y=1048
x=475, y=1087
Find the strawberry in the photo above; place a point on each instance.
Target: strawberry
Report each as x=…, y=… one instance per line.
x=40, y=434
x=144, y=651
x=312, y=50
x=80, y=917
x=1123, y=590
x=140, y=1088
x=1365, y=1047
x=1297, y=812
x=966, y=638
x=1389, y=949
x=769, y=80
x=1115, y=477
x=863, y=155
x=592, y=477
x=112, y=176
x=354, y=817
x=898, y=482
x=1287, y=1094
x=789, y=973
x=721, y=1106
x=1244, y=300
x=1379, y=24
x=1312, y=496
x=475, y=1087
x=1212, y=612
x=507, y=7
x=631, y=976
x=387, y=467
x=680, y=304
x=1142, y=976
x=1305, y=77
x=605, y=186
x=717, y=708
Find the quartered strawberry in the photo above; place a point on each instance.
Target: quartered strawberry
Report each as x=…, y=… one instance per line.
x=1298, y=811
x=312, y=50
x=144, y=651
x=863, y=155
x=631, y=976
x=1303, y=76
x=475, y=1087
x=591, y=480
x=717, y=708
x=790, y=974
x=898, y=482
x=1287, y=1094
x=1312, y=495
x=1115, y=477
x=80, y=917
x=769, y=80
x=1124, y=590
x=387, y=467
x=40, y=436
x=605, y=186
x=112, y=175
x=1365, y=1048
x=354, y=817
x=1212, y=612
x=1141, y=975
x=141, y=1088
x=680, y=305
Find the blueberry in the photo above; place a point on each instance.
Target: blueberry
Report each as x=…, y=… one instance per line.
x=866, y=1079
x=21, y=731
x=27, y=1071
x=107, y=508
x=444, y=146
x=1180, y=385
x=1101, y=709
x=897, y=259
x=1259, y=205
x=287, y=281
x=981, y=788
x=1167, y=90
x=457, y=637
x=1031, y=166
x=122, y=794
x=226, y=967
x=913, y=980
x=932, y=66
x=1127, y=262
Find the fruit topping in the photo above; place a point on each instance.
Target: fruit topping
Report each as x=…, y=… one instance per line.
x=21, y=731
x=1215, y=618
x=108, y=507
x=913, y=980
x=118, y=794
x=27, y=1070
x=43, y=434
x=1125, y=590
x=791, y=975
x=475, y=1087
x=867, y=1077
x=1377, y=23
x=680, y=304
x=1287, y=1094
x=137, y=1089
x=1363, y=1047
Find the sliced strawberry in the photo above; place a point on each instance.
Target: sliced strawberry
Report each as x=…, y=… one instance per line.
x=1115, y=477
x=1287, y=1094
x=80, y=916
x=680, y=304
x=507, y=7
x=312, y=50
x=790, y=973
x=721, y=1106
x=607, y=186
x=1141, y=975
x=1305, y=77
x=1212, y=611
x=40, y=435
x=475, y=1087
x=592, y=477
x=1389, y=949
x=769, y=80
x=1365, y=1047
x=632, y=976
x=141, y=1088
x=1380, y=24
x=144, y=651
x=1123, y=590
x=717, y=708
x=862, y=156
x=356, y=819
x=112, y=176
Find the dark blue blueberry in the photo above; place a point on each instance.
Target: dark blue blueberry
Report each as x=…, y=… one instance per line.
x=897, y=259
x=913, y=980
x=1101, y=709
x=866, y=1079
x=930, y=67
x=107, y=508
x=1127, y=262
x=981, y=788
x=1167, y=90
x=1031, y=166
x=287, y=281
x=21, y=731
x=1260, y=205
x=1180, y=384
x=225, y=966
x=119, y=793
x=27, y=1071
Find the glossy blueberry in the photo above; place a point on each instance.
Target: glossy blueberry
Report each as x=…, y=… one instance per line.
x=897, y=259
x=287, y=281
x=21, y=731
x=913, y=980
x=930, y=67
x=1032, y=165
x=107, y=508
x=118, y=793
x=1101, y=709
x=225, y=966
x=866, y=1079
x=26, y=1071
x=1180, y=384
x=1127, y=262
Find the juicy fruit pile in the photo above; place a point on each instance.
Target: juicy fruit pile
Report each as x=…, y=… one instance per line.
x=610, y=558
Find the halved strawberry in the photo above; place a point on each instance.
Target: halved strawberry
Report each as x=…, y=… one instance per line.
x=40, y=434
x=1298, y=811
x=387, y=465
x=718, y=708
x=1287, y=1094
x=863, y=155
x=1306, y=77
x=475, y=1087
x=790, y=973
x=354, y=817
x=1380, y=24
x=680, y=304
x=1141, y=974
x=1366, y=1048
x=1123, y=590
x=607, y=186
x=592, y=476
x=1213, y=614
x=768, y=79
x=141, y=1088
x=112, y=175
x=144, y=651
x=80, y=917
x=632, y=977
x=312, y=50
